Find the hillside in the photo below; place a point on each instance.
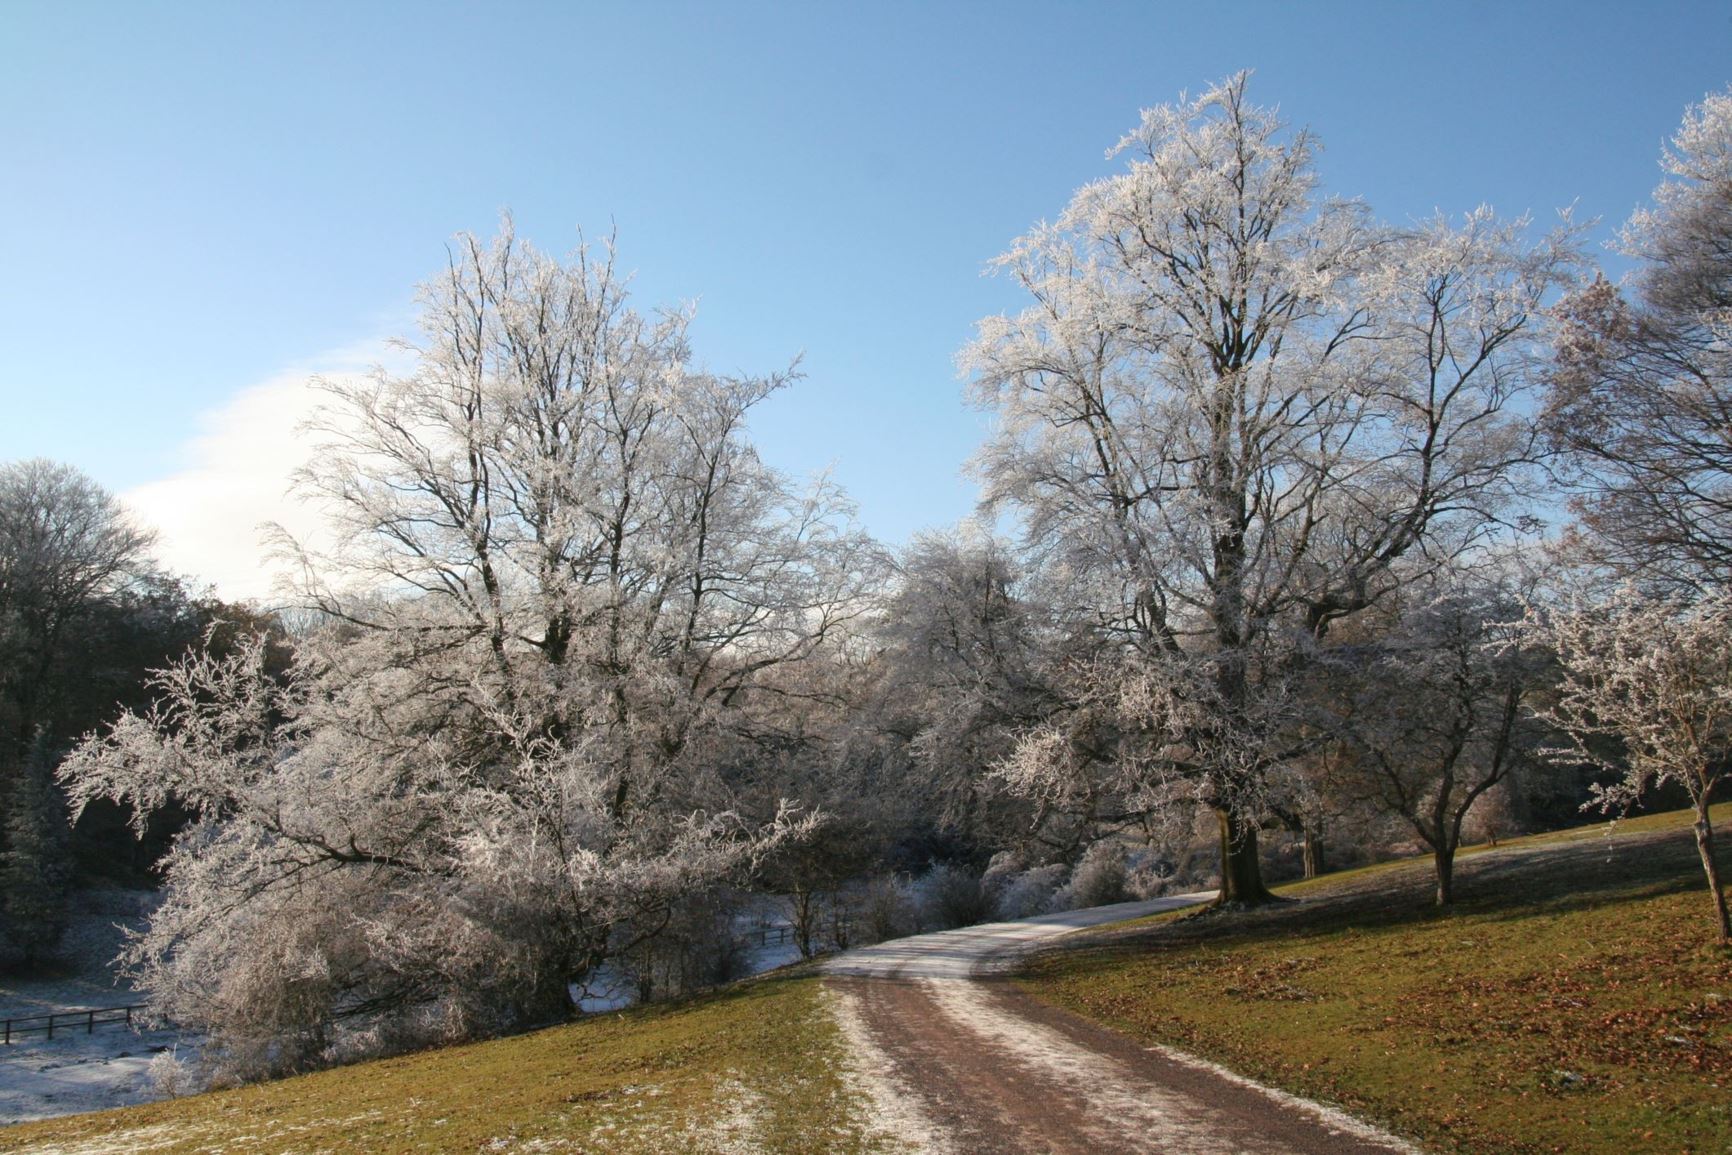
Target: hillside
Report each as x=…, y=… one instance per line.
x=759, y=1068
x=1573, y=1001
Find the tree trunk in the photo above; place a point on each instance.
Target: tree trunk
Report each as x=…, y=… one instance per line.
x=1313, y=850
x=1241, y=870
x=1443, y=859
x=548, y=999
x=804, y=922
x=1705, y=847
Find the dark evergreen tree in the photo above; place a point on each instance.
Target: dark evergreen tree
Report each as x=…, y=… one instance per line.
x=36, y=865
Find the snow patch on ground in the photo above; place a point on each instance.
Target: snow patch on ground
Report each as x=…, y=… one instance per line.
x=167, y=1135
x=896, y=1120
x=637, y=1122
x=1338, y=1121
x=121, y=1142
x=959, y=954
x=79, y=1071
x=1130, y=1109
x=737, y=1129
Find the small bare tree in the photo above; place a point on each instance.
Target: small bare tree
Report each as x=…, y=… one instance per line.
x=1655, y=677
x=1437, y=713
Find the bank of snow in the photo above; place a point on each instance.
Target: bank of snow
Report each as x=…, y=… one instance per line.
x=81, y=1070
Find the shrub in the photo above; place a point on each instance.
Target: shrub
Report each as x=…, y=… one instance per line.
x=884, y=909
x=1097, y=880
x=1031, y=892
x=952, y=896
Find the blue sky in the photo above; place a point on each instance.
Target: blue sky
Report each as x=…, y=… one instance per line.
x=201, y=198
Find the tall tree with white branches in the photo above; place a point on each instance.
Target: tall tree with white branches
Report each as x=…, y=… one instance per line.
x=1640, y=402
x=1235, y=410
x=560, y=581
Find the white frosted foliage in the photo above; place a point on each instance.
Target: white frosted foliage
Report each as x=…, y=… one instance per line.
x=562, y=577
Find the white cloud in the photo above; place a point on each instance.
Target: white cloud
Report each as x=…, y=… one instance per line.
x=210, y=515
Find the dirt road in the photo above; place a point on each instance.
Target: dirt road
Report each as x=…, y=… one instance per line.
x=959, y=1061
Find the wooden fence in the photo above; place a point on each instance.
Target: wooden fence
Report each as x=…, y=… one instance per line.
x=768, y=935
x=67, y=1022
x=776, y=934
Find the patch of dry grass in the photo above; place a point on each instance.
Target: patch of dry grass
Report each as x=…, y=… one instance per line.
x=757, y=1068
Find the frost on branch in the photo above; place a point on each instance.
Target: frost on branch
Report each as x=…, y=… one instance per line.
x=562, y=581
x=1653, y=678
x=1433, y=714
x=1640, y=401
x=1236, y=413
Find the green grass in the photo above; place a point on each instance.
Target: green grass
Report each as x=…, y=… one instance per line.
x=1573, y=1001
x=759, y=1067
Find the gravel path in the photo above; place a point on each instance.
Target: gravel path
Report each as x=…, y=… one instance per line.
x=963, y=1062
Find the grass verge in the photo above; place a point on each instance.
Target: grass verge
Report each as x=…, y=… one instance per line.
x=760, y=1067
x=1572, y=1001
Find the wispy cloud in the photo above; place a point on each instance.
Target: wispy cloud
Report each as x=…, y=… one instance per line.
x=210, y=515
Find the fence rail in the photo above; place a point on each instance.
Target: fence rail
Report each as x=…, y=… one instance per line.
x=66, y=1022
x=767, y=935
x=777, y=934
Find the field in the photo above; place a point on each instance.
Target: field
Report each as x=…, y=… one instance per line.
x=1572, y=1002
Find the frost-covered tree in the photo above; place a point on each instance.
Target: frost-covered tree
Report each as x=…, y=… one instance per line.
x=1653, y=677
x=1641, y=394
x=964, y=663
x=1235, y=411
x=561, y=581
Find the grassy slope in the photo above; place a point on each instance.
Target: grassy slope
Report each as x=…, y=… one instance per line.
x=1572, y=1002
x=757, y=1068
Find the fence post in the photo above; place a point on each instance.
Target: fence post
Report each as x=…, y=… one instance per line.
x=51, y=1027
